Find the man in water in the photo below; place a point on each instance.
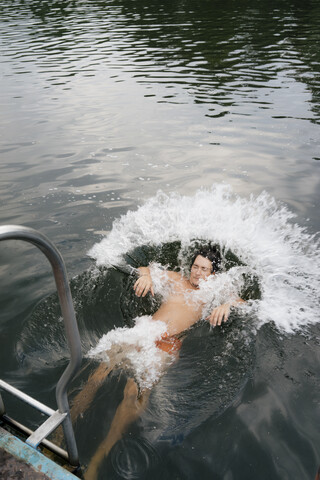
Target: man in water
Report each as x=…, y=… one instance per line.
x=177, y=313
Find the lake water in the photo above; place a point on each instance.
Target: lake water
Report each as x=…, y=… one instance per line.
x=135, y=127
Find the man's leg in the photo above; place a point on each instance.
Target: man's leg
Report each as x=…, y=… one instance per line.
x=84, y=398
x=127, y=412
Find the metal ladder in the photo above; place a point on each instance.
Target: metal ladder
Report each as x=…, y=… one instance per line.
x=62, y=415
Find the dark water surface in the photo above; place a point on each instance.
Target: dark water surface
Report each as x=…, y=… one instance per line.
x=103, y=103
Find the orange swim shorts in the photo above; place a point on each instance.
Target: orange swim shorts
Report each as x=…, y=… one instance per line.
x=169, y=344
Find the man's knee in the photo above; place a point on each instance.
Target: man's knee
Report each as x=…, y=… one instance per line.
x=131, y=390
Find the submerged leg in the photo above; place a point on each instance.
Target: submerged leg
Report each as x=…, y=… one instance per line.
x=127, y=412
x=84, y=398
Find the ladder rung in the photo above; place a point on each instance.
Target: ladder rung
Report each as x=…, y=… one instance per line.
x=46, y=443
x=26, y=398
x=45, y=429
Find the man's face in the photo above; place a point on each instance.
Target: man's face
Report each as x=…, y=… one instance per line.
x=201, y=269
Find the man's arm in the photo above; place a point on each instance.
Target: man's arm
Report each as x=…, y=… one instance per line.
x=220, y=314
x=144, y=283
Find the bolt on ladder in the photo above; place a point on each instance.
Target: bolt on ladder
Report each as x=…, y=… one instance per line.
x=62, y=415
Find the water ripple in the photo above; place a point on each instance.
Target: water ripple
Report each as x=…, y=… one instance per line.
x=186, y=47
x=132, y=458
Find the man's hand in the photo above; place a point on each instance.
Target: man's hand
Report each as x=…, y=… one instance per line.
x=143, y=285
x=219, y=314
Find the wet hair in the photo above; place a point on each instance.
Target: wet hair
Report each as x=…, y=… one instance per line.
x=212, y=254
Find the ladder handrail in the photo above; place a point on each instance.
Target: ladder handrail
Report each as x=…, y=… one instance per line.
x=17, y=232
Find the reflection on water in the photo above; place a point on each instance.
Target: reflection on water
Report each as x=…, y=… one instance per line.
x=111, y=100
x=177, y=44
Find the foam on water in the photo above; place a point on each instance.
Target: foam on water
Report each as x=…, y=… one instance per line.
x=259, y=231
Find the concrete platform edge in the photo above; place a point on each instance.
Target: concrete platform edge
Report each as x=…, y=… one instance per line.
x=41, y=464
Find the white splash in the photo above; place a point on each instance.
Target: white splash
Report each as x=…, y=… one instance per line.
x=212, y=292
x=257, y=230
x=135, y=348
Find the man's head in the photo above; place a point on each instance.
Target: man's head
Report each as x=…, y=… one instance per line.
x=205, y=262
